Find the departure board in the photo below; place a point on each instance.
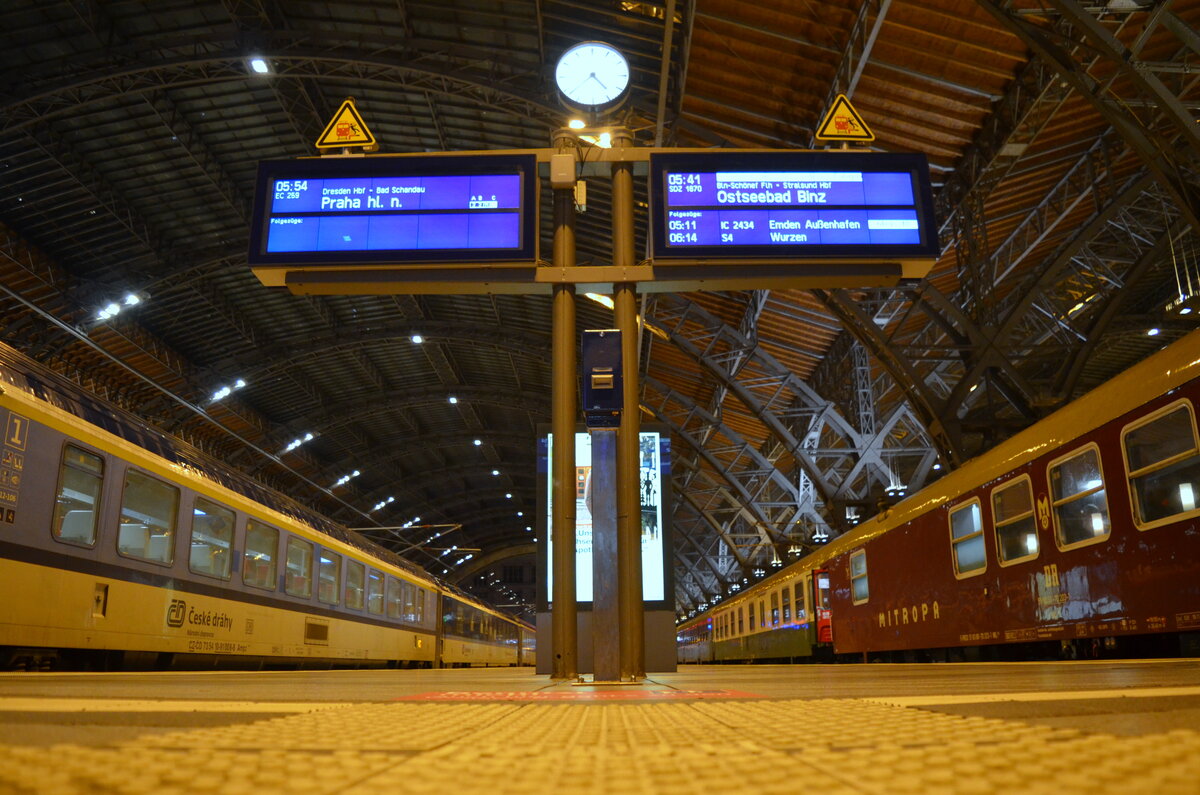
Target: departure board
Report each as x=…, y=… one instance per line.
x=804, y=206
x=378, y=210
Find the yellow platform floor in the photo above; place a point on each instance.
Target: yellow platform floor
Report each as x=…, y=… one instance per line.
x=699, y=731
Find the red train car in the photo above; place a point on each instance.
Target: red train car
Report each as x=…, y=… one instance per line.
x=1080, y=534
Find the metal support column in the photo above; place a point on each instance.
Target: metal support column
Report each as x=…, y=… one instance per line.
x=562, y=535
x=629, y=509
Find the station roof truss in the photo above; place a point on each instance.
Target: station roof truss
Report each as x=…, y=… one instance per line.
x=1064, y=151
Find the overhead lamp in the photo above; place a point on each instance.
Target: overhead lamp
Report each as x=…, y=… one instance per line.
x=259, y=65
x=453, y=400
x=226, y=391
x=417, y=339
x=508, y=496
x=603, y=300
x=299, y=440
x=577, y=124
x=1152, y=332
x=344, y=479
x=937, y=466
x=495, y=472
x=520, y=513
x=478, y=442
x=114, y=308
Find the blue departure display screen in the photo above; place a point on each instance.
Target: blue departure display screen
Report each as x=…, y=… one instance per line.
x=791, y=205
x=335, y=211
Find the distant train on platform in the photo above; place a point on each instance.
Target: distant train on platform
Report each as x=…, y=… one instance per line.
x=1078, y=537
x=121, y=546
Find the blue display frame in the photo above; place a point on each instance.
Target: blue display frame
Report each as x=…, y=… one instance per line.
x=917, y=205
x=520, y=245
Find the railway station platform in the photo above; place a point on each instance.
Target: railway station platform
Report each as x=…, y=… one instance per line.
x=1105, y=726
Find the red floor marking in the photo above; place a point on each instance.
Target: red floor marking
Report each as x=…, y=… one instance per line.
x=580, y=695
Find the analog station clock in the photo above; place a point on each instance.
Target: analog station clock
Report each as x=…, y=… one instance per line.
x=592, y=76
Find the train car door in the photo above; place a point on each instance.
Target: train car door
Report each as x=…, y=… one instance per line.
x=824, y=614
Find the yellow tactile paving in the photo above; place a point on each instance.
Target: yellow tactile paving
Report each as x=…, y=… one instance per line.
x=762, y=746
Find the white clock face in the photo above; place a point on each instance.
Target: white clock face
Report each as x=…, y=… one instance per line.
x=592, y=74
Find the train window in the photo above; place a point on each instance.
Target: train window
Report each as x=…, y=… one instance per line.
x=355, y=586
x=762, y=613
x=329, y=575
x=148, y=511
x=1080, y=506
x=1163, y=462
x=966, y=538
x=858, y=577
x=75, y=509
x=258, y=561
x=212, y=539
x=742, y=626
x=787, y=603
x=394, y=605
x=801, y=602
x=774, y=609
x=419, y=606
x=750, y=608
x=374, y=592
x=1016, y=527
x=297, y=579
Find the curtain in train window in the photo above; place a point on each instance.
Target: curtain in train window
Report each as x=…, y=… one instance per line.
x=211, y=550
x=75, y=509
x=258, y=562
x=1016, y=527
x=329, y=576
x=395, y=598
x=787, y=603
x=298, y=571
x=375, y=592
x=966, y=536
x=355, y=584
x=858, y=577
x=1078, y=499
x=148, y=511
x=774, y=609
x=1164, y=466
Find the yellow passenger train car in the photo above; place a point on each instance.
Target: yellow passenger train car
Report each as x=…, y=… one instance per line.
x=121, y=546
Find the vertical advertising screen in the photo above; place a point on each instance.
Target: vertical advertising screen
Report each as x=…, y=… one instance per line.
x=653, y=477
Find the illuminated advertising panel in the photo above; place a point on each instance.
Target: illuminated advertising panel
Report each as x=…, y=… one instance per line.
x=653, y=477
x=395, y=210
x=803, y=206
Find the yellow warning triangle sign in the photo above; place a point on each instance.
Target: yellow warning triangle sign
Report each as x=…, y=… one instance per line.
x=346, y=129
x=842, y=123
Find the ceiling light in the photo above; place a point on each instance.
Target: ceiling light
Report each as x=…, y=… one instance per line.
x=937, y=466
x=1152, y=332
x=603, y=300
x=453, y=400
x=495, y=472
x=508, y=496
x=131, y=299
x=1187, y=310
x=417, y=338
x=576, y=124
x=478, y=442
x=259, y=65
